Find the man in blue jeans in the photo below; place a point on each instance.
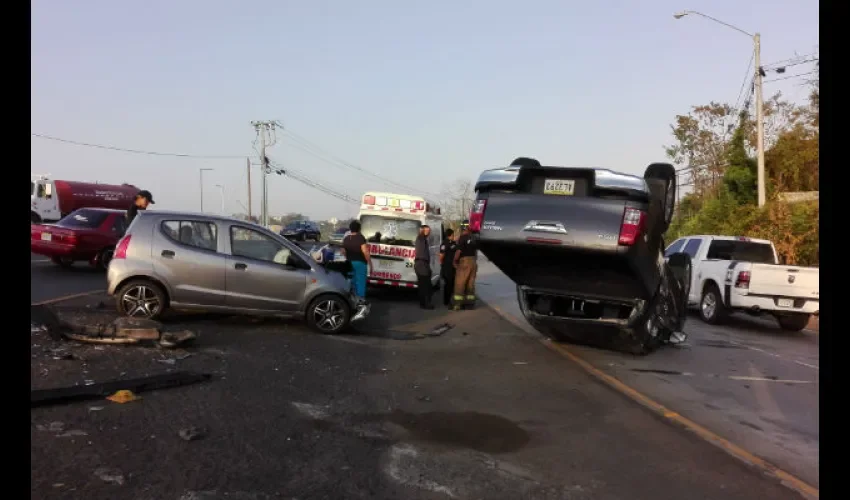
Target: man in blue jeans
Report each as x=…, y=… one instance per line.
x=357, y=254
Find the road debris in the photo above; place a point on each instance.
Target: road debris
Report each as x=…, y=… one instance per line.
x=520, y=362
x=121, y=331
x=123, y=396
x=112, y=476
x=51, y=427
x=73, y=433
x=440, y=329
x=191, y=433
x=46, y=397
x=95, y=408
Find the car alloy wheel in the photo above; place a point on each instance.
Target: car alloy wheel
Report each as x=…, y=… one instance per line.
x=141, y=301
x=328, y=314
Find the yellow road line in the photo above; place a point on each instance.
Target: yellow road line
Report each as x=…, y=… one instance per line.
x=66, y=297
x=787, y=479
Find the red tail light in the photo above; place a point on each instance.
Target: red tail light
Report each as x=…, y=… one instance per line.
x=476, y=216
x=121, y=248
x=633, y=220
x=70, y=239
x=743, y=280
x=367, y=200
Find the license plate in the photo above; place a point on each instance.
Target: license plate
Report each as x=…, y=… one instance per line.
x=561, y=187
x=785, y=302
x=46, y=236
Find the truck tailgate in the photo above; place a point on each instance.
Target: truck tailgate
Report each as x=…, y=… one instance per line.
x=565, y=221
x=785, y=281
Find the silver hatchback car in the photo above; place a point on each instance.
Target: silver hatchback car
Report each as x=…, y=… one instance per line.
x=201, y=262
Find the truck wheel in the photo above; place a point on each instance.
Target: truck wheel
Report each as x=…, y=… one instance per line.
x=34, y=218
x=711, y=307
x=666, y=173
x=793, y=322
x=141, y=298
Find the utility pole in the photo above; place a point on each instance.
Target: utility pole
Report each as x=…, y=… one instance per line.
x=250, y=218
x=762, y=191
x=264, y=128
x=201, y=175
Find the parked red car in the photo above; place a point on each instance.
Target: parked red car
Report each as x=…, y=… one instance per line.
x=87, y=234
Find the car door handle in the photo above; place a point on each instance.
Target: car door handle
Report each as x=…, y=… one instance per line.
x=168, y=253
x=240, y=266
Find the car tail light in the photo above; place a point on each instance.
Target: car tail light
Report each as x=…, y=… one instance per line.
x=476, y=216
x=633, y=220
x=121, y=248
x=743, y=280
x=70, y=239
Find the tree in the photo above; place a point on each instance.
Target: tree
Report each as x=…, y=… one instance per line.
x=740, y=175
x=456, y=201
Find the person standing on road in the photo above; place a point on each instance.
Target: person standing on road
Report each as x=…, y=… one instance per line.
x=356, y=252
x=422, y=267
x=466, y=263
x=447, y=268
x=143, y=199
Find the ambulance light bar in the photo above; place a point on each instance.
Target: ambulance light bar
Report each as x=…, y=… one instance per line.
x=382, y=201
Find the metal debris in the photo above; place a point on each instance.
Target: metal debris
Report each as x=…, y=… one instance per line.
x=112, y=476
x=440, y=329
x=191, y=433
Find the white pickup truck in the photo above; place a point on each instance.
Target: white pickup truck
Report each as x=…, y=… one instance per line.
x=733, y=273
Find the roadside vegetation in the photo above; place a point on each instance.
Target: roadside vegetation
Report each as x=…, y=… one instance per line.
x=717, y=143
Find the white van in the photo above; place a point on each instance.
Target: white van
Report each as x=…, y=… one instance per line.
x=390, y=223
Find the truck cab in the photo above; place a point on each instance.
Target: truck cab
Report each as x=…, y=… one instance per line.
x=44, y=206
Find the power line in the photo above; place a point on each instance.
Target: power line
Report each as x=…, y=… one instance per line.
x=792, y=60
x=136, y=151
x=303, y=179
x=318, y=152
x=789, y=77
x=746, y=78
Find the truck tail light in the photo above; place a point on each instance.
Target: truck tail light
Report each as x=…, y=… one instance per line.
x=121, y=248
x=743, y=280
x=476, y=216
x=630, y=229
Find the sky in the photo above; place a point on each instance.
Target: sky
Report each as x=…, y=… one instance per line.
x=419, y=93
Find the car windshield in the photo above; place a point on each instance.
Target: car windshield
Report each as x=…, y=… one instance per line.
x=745, y=251
x=83, y=219
x=389, y=230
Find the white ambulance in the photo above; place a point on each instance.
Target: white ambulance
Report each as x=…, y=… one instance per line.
x=390, y=223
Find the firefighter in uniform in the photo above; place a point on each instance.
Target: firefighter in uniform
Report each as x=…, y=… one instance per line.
x=466, y=265
x=447, y=268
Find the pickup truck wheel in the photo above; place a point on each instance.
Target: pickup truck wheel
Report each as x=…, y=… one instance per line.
x=711, y=307
x=34, y=218
x=793, y=322
x=666, y=173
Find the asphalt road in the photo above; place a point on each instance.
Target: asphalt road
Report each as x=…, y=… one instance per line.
x=49, y=281
x=387, y=412
x=748, y=381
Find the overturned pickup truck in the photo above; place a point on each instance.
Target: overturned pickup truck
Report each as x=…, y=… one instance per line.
x=585, y=248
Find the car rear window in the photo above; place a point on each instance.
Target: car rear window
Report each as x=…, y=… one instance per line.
x=746, y=251
x=83, y=219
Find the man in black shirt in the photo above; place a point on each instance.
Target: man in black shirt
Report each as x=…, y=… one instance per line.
x=422, y=267
x=466, y=262
x=447, y=268
x=143, y=199
x=357, y=254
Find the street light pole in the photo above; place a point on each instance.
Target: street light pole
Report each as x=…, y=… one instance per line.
x=201, y=174
x=221, y=190
x=756, y=38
